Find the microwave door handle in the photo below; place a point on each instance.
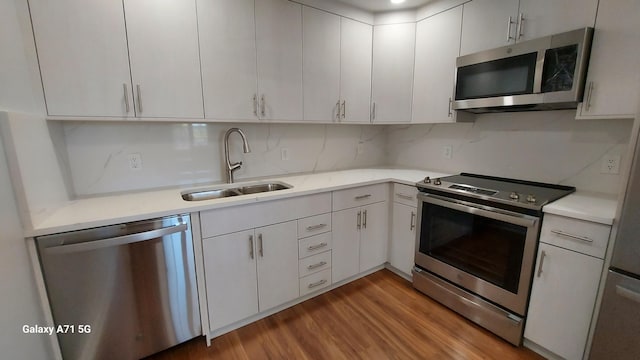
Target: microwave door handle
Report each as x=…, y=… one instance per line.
x=116, y=241
x=537, y=75
x=481, y=210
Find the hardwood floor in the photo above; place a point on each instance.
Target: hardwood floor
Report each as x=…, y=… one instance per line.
x=377, y=317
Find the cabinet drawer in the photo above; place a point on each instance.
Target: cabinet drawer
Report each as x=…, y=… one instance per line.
x=315, y=263
x=314, y=225
x=582, y=236
x=364, y=195
x=313, y=282
x=405, y=194
x=314, y=245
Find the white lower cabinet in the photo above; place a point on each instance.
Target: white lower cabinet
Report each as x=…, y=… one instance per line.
x=250, y=271
x=403, y=235
x=359, y=233
x=565, y=286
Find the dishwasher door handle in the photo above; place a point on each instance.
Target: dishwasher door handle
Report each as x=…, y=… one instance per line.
x=116, y=241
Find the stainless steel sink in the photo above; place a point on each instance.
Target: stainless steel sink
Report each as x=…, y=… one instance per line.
x=209, y=194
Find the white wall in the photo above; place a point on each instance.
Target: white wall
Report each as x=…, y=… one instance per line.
x=189, y=154
x=19, y=301
x=545, y=146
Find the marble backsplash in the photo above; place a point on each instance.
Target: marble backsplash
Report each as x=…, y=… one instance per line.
x=174, y=154
x=549, y=146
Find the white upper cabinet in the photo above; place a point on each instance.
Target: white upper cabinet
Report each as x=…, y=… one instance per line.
x=488, y=24
x=279, y=48
x=547, y=17
x=437, y=46
x=356, y=41
x=164, y=55
x=493, y=23
x=611, y=90
x=228, y=55
x=321, y=65
x=393, y=59
x=84, y=62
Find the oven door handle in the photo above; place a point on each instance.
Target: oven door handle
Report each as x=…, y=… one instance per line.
x=481, y=210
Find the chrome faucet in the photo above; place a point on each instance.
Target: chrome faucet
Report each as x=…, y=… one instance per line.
x=232, y=167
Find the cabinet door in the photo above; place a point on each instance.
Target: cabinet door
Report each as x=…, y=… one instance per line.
x=83, y=56
x=356, y=42
x=228, y=54
x=565, y=289
x=321, y=64
x=486, y=25
x=277, y=252
x=230, y=277
x=374, y=235
x=165, y=62
x=403, y=238
x=437, y=46
x=393, y=59
x=548, y=17
x=615, y=56
x=346, y=244
x=279, y=46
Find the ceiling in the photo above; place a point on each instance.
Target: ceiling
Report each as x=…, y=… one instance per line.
x=383, y=5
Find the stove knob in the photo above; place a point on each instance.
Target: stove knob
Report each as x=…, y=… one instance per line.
x=437, y=181
x=427, y=180
x=531, y=198
x=514, y=196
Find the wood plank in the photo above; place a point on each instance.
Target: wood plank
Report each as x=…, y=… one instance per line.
x=377, y=317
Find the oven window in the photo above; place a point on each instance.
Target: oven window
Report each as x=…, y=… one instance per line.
x=486, y=248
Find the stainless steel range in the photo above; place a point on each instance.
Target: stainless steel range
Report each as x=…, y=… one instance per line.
x=476, y=244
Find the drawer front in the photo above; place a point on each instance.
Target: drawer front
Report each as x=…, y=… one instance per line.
x=314, y=282
x=582, y=236
x=314, y=225
x=315, y=263
x=364, y=195
x=314, y=245
x=405, y=194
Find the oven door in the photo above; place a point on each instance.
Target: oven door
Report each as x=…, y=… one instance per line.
x=487, y=251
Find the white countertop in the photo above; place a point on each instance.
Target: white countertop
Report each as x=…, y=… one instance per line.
x=114, y=209
x=595, y=207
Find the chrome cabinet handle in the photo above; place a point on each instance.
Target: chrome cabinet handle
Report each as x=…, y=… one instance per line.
x=315, y=266
x=358, y=223
x=450, y=108
x=315, y=227
x=412, y=224
x=255, y=104
x=127, y=108
x=316, y=247
x=260, y=244
x=589, y=92
x=404, y=196
x=364, y=219
x=361, y=197
x=576, y=237
x=251, y=246
x=509, y=37
x=344, y=108
x=139, y=92
x=520, y=22
x=338, y=110
x=262, y=106
x=542, y=256
x=373, y=112
x=317, y=283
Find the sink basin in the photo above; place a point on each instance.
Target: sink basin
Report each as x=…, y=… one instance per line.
x=209, y=194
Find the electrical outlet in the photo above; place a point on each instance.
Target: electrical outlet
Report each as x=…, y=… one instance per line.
x=610, y=164
x=135, y=161
x=447, y=151
x=284, y=154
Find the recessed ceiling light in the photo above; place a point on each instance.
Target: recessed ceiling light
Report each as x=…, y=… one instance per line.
x=397, y=1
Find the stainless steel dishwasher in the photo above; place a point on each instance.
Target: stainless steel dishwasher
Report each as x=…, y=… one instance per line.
x=123, y=291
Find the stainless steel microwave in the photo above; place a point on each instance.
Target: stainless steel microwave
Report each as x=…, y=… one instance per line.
x=542, y=74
